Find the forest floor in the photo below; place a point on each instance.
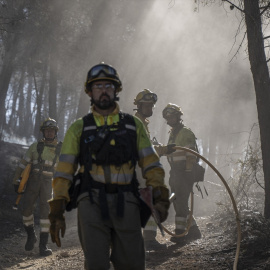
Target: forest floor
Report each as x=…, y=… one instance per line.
x=215, y=250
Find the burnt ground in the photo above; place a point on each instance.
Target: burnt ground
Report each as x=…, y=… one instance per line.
x=215, y=250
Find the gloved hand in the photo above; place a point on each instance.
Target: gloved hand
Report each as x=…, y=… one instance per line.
x=162, y=209
x=16, y=187
x=170, y=148
x=161, y=202
x=57, y=220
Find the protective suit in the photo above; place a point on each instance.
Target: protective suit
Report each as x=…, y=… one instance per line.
x=109, y=212
x=145, y=101
x=181, y=178
x=43, y=157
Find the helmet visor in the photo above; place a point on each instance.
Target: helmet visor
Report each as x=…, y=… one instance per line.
x=49, y=124
x=149, y=97
x=169, y=111
x=107, y=70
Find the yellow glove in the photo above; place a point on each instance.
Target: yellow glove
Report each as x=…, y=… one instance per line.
x=161, y=202
x=57, y=220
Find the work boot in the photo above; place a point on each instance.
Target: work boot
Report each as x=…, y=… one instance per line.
x=194, y=233
x=43, y=249
x=31, y=237
x=178, y=240
x=153, y=244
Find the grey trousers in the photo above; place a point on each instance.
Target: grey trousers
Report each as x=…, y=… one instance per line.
x=37, y=187
x=181, y=184
x=117, y=239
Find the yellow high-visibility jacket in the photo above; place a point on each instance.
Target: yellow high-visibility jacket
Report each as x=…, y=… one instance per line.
x=160, y=149
x=182, y=136
x=68, y=162
x=31, y=156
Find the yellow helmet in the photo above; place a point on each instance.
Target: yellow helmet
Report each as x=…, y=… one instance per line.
x=145, y=96
x=102, y=71
x=171, y=109
x=49, y=123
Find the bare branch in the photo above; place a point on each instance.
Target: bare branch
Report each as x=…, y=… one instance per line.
x=234, y=5
x=239, y=46
x=256, y=179
x=266, y=37
x=265, y=8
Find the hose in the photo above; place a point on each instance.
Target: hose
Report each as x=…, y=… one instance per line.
x=232, y=199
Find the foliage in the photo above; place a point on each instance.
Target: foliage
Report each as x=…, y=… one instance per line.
x=247, y=180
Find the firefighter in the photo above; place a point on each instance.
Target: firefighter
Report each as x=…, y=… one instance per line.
x=145, y=102
x=43, y=156
x=181, y=178
x=107, y=144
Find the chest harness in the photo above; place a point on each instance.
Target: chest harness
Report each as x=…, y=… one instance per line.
x=107, y=145
x=41, y=163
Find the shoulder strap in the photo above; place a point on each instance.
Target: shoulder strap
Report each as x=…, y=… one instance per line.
x=88, y=134
x=128, y=120
x=40, y=148
x=130, y=125
x=197, y=149
x=88, y=121
x=57, y=152
x=85, y=158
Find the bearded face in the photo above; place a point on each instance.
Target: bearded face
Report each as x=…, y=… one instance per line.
x=103, y=94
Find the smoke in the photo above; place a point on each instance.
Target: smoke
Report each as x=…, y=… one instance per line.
x=188, y=58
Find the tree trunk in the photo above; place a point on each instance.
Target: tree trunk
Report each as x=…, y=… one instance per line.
x=28, y=112
x=21, y=129
x=261, y=80
x=39, y=99
x=5, y=77
x=12, y=123
x=84, y=105
x=53, y=87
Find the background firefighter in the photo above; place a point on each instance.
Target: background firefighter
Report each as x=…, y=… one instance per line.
x=145, y=102
x=43, y=156
x=107, y=144
x=181, y=177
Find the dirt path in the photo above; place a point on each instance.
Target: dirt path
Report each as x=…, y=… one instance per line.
x=70, y=256
x=215, y=250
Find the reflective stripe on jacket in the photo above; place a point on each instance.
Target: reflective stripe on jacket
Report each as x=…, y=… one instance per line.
x=185, y=138
x=68, y=162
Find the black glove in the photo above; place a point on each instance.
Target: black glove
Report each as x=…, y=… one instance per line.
x=161, y=202
x=170, y=148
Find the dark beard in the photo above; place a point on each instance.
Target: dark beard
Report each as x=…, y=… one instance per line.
x=105, y=104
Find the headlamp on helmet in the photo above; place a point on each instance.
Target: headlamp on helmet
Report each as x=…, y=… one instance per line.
x=171, y=109
x=100, y=72
x=145, y=96
x=49, y=123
